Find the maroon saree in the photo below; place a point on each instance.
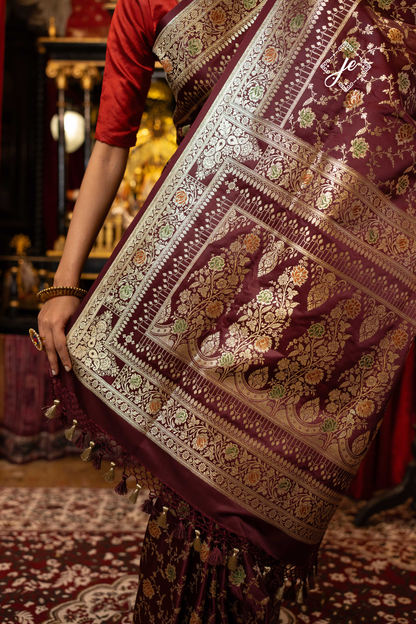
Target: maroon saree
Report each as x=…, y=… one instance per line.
x=238, y=351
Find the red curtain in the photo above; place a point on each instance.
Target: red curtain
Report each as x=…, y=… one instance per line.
x=2, y=40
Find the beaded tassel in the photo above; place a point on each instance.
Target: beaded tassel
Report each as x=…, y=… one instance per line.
x=109, y=476
x=69, y=433
x=86, y=455
x=197, y=541
x=51, y=412
x=133, y=496
x=163, y=518
x=232, y=560
x=281, y=591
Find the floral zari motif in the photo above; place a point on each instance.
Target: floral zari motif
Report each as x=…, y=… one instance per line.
x=258, y=313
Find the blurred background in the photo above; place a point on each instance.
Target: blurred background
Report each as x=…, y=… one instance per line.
x=52, y=56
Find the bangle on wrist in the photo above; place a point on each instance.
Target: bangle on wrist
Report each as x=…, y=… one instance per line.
x=60, y=291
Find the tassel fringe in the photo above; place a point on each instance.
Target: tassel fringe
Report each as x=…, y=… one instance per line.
x=121, y=488
x=266, y=571
x=133, y=496
x=281, y=591
x=109, y=476
x=163, y=518
x=299, y=593
x=179, y=532
x=69, y=433
x=51, y=412
x=97, y=461
x=233, y=559
x=86, y=455
x=147, y=506
x=294, y=579
x=215, y=557
x=197, y=541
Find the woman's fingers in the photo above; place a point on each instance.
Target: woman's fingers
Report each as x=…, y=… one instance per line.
x=52, y=321
x=61, y=348
x=49, y=346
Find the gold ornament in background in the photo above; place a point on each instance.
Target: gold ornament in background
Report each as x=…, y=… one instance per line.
x=155, y=145
x=20, y=242
x=52, y=28
x=21, y=281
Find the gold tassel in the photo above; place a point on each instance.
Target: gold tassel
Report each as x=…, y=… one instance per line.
x=197, y=541
x=163, y=518
x=314, y=576
x=232, y=560
x=133, y=496
x=50, y=412
x=281, y=591
x=86, y=455
x=69, y=433
x=299, y=593
x=109, y=476
x=266, y=571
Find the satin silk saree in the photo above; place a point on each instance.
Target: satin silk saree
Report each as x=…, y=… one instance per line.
x=238, y=351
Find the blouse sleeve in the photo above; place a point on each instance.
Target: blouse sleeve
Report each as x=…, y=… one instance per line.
x=128, y=69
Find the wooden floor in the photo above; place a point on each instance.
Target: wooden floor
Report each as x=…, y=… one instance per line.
x=65, y=472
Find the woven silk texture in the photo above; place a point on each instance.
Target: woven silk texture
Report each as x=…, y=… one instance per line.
x=244, y=339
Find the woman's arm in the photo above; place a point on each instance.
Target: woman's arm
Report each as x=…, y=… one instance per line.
x=127, y=75
x=99, y=187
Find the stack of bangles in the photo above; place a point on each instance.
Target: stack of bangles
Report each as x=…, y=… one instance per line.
x=50, y=293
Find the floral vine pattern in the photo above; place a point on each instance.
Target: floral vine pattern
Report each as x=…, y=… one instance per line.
x=259, y=312
x=205, y=29
x=91, y=349
x=258, y=325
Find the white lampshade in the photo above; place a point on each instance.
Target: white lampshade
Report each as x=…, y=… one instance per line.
x=74, y=125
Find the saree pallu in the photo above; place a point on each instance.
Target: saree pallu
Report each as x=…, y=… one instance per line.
x=238, y=351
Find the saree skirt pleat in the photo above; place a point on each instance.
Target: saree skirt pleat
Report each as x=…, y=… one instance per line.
x=178, y=585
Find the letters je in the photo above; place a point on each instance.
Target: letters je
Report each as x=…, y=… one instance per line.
x=332, y=79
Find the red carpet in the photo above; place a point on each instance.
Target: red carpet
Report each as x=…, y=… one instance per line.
x=366, y=575
x=68, y=555
x=72, y=555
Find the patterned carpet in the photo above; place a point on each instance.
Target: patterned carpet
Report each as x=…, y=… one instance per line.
x=72, y=555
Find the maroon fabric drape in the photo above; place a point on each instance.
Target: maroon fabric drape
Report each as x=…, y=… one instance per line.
x=2, y=40
x=123, y=334
x=387, y=458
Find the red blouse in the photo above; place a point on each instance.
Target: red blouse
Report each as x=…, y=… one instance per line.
x=128, y=69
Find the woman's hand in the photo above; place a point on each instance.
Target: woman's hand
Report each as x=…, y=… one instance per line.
x=52, y=321
x=99, y=186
